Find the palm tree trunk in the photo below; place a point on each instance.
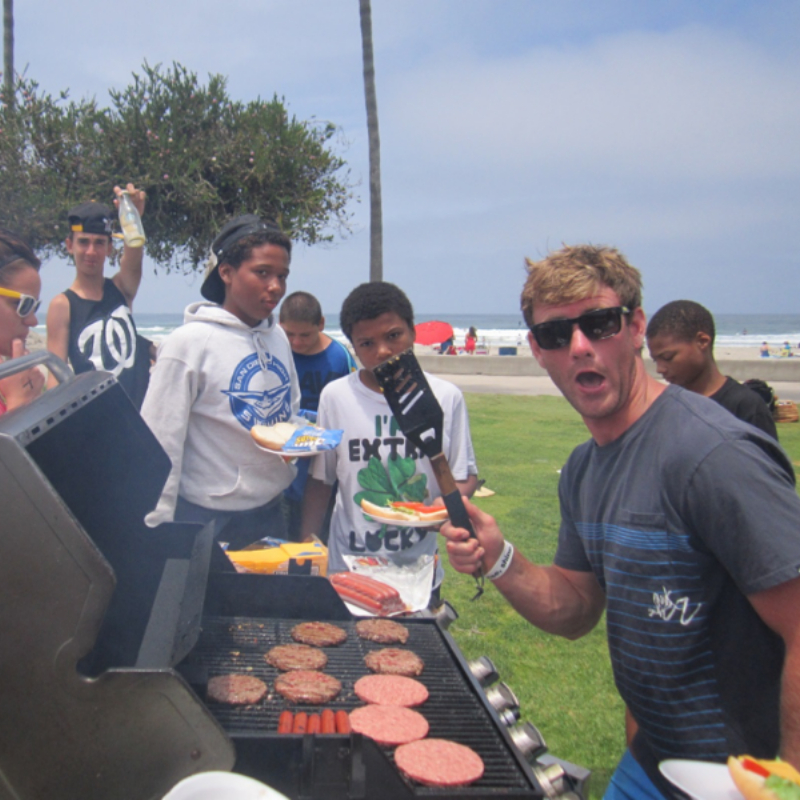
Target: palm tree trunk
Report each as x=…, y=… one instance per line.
x=8, y=51
x=375, y=211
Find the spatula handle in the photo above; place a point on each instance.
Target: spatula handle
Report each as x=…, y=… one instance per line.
x=457, y=512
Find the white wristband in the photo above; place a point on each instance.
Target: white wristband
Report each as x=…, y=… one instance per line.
x=503, y=563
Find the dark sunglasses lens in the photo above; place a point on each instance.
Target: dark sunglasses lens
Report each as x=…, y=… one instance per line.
x=553, y=335
x=602, y=323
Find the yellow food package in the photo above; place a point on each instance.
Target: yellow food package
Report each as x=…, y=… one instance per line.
x=275, y=560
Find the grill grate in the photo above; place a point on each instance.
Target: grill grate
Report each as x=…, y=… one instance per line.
x=454, y=711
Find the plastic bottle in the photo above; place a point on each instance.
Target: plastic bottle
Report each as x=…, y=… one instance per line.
x=130, y=222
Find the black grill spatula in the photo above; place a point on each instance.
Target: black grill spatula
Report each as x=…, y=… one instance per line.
x=421, y=419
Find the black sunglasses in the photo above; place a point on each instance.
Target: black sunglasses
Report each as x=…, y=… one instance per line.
x=600, y=324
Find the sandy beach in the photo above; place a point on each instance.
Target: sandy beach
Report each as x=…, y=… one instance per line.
x=720, y=353
x=476, y=380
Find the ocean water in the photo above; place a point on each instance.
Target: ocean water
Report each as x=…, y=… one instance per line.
x=497, y=330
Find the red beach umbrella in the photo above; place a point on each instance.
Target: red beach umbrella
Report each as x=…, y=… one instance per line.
x=433, y=332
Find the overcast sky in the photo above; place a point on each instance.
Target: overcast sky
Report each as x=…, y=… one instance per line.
x=668, y=129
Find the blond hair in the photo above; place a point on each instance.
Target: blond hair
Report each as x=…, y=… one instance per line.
x=575, y=273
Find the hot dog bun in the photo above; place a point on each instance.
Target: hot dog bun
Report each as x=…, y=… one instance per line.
x=752, y=784
x=397, y=512
x=273, y=437
x=384, y=512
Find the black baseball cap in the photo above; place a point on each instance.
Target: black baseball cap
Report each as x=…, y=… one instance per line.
x=90, y=218
x=213, y=288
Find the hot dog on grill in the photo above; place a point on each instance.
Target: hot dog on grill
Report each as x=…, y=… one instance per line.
x=758, y=779
x=285, y=722
x=300, y=722
x=327, y=721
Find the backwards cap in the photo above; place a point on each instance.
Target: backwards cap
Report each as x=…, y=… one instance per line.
x=90, y=218
x=213, y=288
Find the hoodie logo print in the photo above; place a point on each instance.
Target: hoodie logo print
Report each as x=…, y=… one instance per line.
x=260, y=396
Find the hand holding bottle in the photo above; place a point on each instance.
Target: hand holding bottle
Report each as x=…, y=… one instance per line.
x=130, y=204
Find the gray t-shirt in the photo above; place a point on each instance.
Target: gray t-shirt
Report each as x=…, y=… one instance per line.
x=679, y=519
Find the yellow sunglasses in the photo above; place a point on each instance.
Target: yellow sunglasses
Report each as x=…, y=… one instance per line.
x=25, y=303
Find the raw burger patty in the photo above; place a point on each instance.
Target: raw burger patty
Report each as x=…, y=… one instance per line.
x=391, y=690
x=236, y=690
x=307, y=686
x=389, y=725
x=438, y=762
x=296, y=656
x=393, y=661
x=383, y=631
x=318, y=634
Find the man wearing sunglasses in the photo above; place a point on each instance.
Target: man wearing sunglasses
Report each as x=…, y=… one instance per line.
x=90, y=324
x=678, y=520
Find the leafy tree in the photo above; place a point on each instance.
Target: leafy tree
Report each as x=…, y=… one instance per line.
x=48, y=161
x=200, y=156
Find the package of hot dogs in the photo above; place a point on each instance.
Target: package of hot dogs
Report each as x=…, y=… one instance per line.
x=367, y=593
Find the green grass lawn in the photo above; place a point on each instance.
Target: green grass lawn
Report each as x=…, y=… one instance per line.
x=565, y=688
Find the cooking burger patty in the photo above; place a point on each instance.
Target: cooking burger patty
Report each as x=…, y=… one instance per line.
x=236, y=690
x=319, y=634
x=383, y=631
x=393, y=661
x=287, y=657
x=307, y=686
x=439, y=762
x=389, y=725
x=390, y=690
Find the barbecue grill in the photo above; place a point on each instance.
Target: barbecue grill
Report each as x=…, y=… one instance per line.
x=111, y=631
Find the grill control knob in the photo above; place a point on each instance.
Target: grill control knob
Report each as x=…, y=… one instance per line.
x=552, y=778
x=445, y=615
x=509, y=716
x=483, y=670
x=501, y=697
x=528, y=740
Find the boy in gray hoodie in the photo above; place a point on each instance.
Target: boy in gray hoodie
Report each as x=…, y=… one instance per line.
x=229, y=367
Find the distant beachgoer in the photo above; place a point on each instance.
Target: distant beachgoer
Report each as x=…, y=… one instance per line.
x=764, y=350
x=786, y=350
x=20, y=285
x=680, y=336
x=446, y=346
x=470, y=341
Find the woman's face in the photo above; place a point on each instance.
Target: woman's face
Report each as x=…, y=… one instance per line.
x=12, y=326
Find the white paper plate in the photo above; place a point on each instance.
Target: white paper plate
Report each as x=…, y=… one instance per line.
x=288, y=453
x=402, y=523
x=701, y=780
x=219, y=785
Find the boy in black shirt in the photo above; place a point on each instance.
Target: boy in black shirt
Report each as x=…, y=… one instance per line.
x=680, y=336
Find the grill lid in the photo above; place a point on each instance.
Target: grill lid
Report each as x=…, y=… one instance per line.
x=67, y=462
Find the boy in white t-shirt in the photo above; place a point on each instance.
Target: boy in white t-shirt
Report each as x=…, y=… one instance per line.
x=374, y=459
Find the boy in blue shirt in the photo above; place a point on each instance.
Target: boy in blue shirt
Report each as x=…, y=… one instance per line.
x=318, y=360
